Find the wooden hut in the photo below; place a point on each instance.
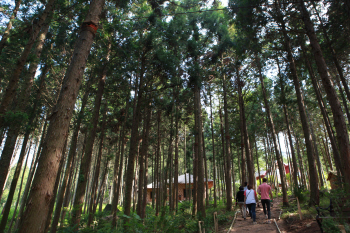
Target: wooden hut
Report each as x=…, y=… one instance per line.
x=182, y=180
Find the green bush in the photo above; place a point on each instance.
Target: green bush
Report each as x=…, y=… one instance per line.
x=300, y=194
x=329, y=226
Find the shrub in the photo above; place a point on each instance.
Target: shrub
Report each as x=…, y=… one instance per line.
x=329, y=226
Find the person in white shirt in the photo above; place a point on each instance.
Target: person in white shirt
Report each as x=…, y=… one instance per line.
x=250, y=199
x=245, y=186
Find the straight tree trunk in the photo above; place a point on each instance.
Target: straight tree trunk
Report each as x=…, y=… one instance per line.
x=57, y=182
x=133, y=141
x=334, y=55
x=257, y=159
x=158, y=164
x=30, y=175
x=243, y=126
x=6, y=34
x=273, y=134
x=205, y=173
x=14, y=130
x=323, y=111
x=170, y=158
x=146, y=142
x=11, y=89
x=228, y=151
x=94, y=200
x=338, y=116
x=200, y=184
x=71, y=156
x=86, y=159
x=213, y=145
x=15, y=133
x=43, y=185
x=19, y=193
x=342, y=96
x=314, y=192
x=176, y=161
x=222, y=149
x=118, y=170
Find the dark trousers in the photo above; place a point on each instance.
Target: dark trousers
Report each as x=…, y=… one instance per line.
x=251, y=208
x=266, y=203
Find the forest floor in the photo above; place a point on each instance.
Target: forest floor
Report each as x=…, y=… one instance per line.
x=292, y=224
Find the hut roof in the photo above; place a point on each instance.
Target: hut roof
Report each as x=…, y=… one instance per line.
x=189, y=178
x=181, y=180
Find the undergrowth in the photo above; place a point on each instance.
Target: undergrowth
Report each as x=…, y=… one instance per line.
x=182, y=221
x=340, y=200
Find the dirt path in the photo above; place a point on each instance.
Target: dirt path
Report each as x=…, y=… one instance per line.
x=262, y=226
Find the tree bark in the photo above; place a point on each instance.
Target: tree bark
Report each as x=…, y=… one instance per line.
x=228, y=150
x=213, y=145
x=14, y=78
x=334, y=55
x=6, y=34
x=323, y=111
x=37, y=210
x=71, y=156
x=145, y=145
x=133, y=140
x=93, y=202
x=200, y=184
x=338, y=116
x=243, y=126
x=273, y=134
x=31, y=173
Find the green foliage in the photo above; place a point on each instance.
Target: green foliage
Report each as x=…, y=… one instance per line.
x=329, y=226
x=301, y=194
x=15, y=118
x=182, y=221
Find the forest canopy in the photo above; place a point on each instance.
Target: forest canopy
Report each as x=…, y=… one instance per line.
x=108, y=103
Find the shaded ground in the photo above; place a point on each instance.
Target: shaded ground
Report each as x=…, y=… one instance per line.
x=294, y=225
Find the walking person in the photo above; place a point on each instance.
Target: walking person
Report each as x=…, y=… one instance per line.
x=240, y=201
x=250, y=199
x=245, y=186
x=244, y=189
x=264, y=191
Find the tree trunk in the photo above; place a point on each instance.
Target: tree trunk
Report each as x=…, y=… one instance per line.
x=176, y=161
x=228, y=150
x=200, y=168
x=257, y=159
x=170, y=158
x=213, y=145
x=345, y=101
x=71, y=156
x=30, y=175
x=145, y=151
x=222, y=148
x=243, y=126
x=20, y=189
x=273, y=134
x=323, y=111
x=158, y=159
x=57, y=182
x=133, y=141
x=93, y=202
x=338, y=116
x=118, y=170
x=14, y=78
x=6, y=34
x=43, y=185
x=86, y=159
x=334, y=55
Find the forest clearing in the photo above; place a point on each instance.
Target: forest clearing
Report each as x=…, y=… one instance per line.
x=171, y=115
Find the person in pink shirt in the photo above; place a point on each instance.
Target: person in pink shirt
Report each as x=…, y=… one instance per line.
x=264, y=190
